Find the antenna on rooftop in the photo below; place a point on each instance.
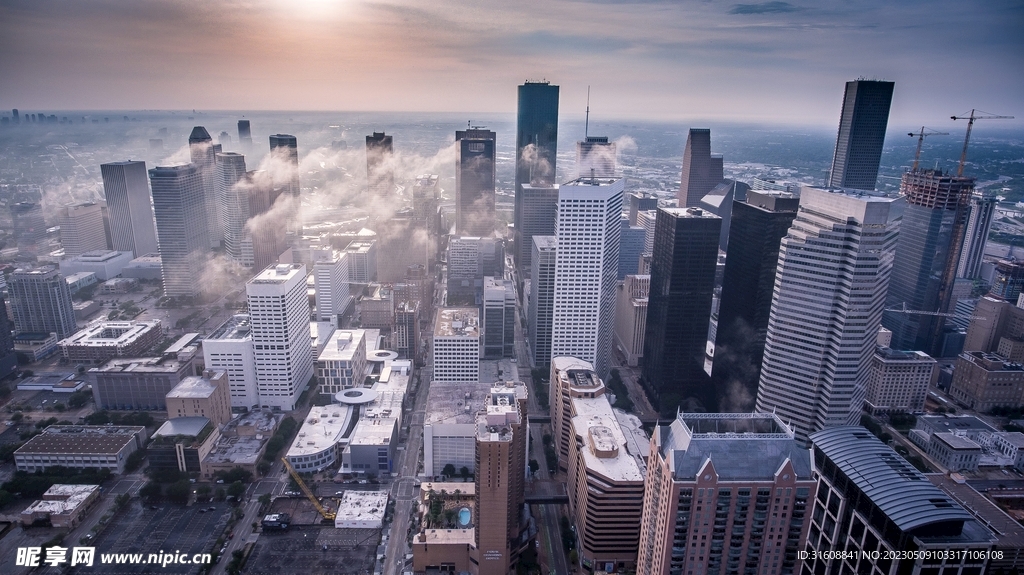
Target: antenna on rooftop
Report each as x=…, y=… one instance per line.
x=586, y=124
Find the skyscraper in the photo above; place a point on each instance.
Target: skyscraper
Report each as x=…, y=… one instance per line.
x=203, y=155
x=279, y=315
x=244, y=135
x=632, y=240
x=179, y=205
x=132, y=225
x=41, y=302
x=927, y=254
x=81, y=228
x=536, y=147
x=702, y=171
x=499, y=310
x=535, y=216
x=542, y=297
x=834, y=267
x=861, y=134
x=595, y=156
x=8, y=359
x=640, y=202
x=474, y=182
x=979, y=222
x=586, y=266
x=28, y=225
x=679, y=309
x=232, y=197
x=758, y=226
x=330, y=269
x=380, y=176
x=285, y=149
x=264, y=230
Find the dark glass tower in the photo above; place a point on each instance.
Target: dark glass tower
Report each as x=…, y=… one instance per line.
x=702, y=171
x=927, y=254
x=474, y=182
x=286, y=147
x=678, y=310
x=380, y=178
x=536, y=146
x=758, y=226
x=861, y=134
x=203, y=155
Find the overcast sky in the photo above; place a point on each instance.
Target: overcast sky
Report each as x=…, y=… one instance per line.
x=775, y=61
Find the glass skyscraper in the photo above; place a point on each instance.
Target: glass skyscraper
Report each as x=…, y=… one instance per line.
x=861, y=134
x=536, y=147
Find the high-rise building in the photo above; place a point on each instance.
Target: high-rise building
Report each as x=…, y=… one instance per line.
x=536, y=146
x=244, y=135
x=985, y=381
x=824, y=317
x=285, y=149
x=279, y=315
x=342, y=363
x=28, y=226
x=631, y=317
x=679, y=309
x=899, y=381
x=595, y=157
x=758, y=226
x=425, y=196
x=586, y=266
x=407, y=329
x=265, y=232
x=469, y=260
x=647, y=219
x=474, y=182
x=380, y=175
x=362, y=261
x=535, y=216
x=499, y=317
x=719, y=201
x=233, y=199
x=631, y=246
x=204, y=155
x=8, y=359
x=81, y=228
x=702, y=170
x=927, y=253
x=1008, y=280
x=229, y=348
x=640, y=202
x=570, y=378
x=178, y=205
x=457, y=345
x=875, y=506
x=41, y=302
x=330, y=272
x=132, y=223
x=979, y=223
x=725, y=493
x=542, y=297
x=862, y=126
x=402, y=242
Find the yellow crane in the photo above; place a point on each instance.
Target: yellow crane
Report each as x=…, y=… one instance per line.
x=920, y=140
x=326, y=513
x=970, y=124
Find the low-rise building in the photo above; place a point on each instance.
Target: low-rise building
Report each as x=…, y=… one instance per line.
x=79, y=280
x=968, y=426
x=242, y=443
x=53, y=382
x=119, y=285
x=85, y=309
x=318, y=443
x=64, y=506
x=201, y=396
x=182, y=443
x=372, y=445
x=80, y=447
x=1011, y=445
x=377, y=308
x=1008, y=551
x=36, y=345
x=104, y=340
x=342, y=363
x=147, y=267
x=954, y=452
x=137, y=383
x=983, y=381
x=106, y=264
x=898, y=380
x=361, y=510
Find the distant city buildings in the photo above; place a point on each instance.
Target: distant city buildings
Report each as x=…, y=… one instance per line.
x=979, y=224
x=702, y=171
x=28, y=226
x=284, y=148
x=865, y=115
x=474, y=182
x=179, y=207
x=132, y=221
x=203, y=153
x=380, y=175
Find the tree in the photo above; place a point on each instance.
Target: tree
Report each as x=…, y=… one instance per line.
x=151, y=491
x=179, y=491
x=220, y=494
x=18, y=416
x=464, y=472
x=60, y=407
x=534, y=466
x=235, y=474
x=448, y=470
x=236, y=490
x=264, y=499
x=203, y=492
x=78, y=399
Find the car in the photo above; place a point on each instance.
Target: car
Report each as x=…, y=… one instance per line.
x=211, y=508
x=154, y=507
x=220, y=482
x=202, y=510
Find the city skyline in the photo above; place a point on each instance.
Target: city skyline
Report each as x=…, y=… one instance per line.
x=694, y=61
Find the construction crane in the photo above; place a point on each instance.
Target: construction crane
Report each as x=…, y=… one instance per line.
x=920, y=140
x=326, y=513
x=903, y=309
x=970, y=124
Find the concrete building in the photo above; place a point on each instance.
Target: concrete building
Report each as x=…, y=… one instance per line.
x=377, y=307
x=342, y=363
x=81, y=228
x=631, y=317
x=865, y=115
x=8, y=359
x=725, y=492
x=78, y=281
x=362, y=261
x=181, y=224
x=647, y=219
x=80, y=447
x=640, y=202
x=702, y=170
x=821, y=381
x=997, y=325
x=954, y=452
x=1008, y=280
x=318, y=444
x=147, y=267
x=457, y=345
x=41, y=302
x=284, y=148
x=35, y=345
x=242, y=443
x=899, y=381
x=64, y=506
x=206, y=396
x=535, y=217
x=233, y=201
x=104, y=340
x=406, y=335
x=106, y=264
x=474, y=182
x=632, y=240
x=870, y=499
x=983, y=381
x=132, y=223
x=229, y=348
x=967, y=426
x=470, y=259
x=586, y=265
x=28, y=226
x=570, y=378
x=536, y=147
x=330, y=269
x=181, y=444
x=372, y=447
x=719, y=201
x=449, y=426
x=499, y=317
x=1008, y=551
x=361, y=509
x=203, y=153
x=1011, y=445
x=542, y=297
x=137, y=383
x=279, y=316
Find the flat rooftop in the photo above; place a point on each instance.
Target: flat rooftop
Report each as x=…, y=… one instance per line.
x=323, y=427
x=99, y=256
x=954, y=422
x=1014, y=438
x=236, y=327
x=957, y=442
x=278, y=274
x=449, y=403
x=724, y=425
x=605, y=449
x=140, y=365
x=342, y=345
x=447, y=537
x=591, y=182
x=362, y=505
x=70, y=439
x=457, y=322
x=694, y=213
x=192, y=386
x=240, y=450
x=1008, y=531
x=188, y=426
x=62, y=498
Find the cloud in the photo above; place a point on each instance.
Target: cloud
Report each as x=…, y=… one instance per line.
x=764, y=8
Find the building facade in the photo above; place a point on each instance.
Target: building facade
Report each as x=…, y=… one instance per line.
x=631, y=317
x=702, y=170
x=535, y=216
x=41, y=302
x=474, y=182
x=202, y=153
x=984, y=381
x=229, y=348
x=181, y=224
x=132, y=223
x=380, y=175
x=542, y=297
x=457, y=345
x=81, y=228
x=499, y=318
x=865, y=115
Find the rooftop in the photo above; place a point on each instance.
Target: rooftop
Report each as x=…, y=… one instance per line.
x=1014, y=438
x=192, y=386
x=100, y=439
x=342, y=345
x=955, y=422
x=241, y=450
x=1009, y=532
x=324, y=427
x=902, y=492
x=140, y=365
x=278, y=274
x=455, y=402
x=591, y=182
x=457, y=321
x=362, y=505
x=447, y=536
x=61, y=498
x=606, y=450
x=99, y=256
x=956, y=441
x=897, y=355
x=236, y=327
x=187, y=426
x=111, y=333
x=689, y=213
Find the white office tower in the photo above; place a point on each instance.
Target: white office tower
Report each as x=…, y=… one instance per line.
x=283, y=350
x=830, y=288
x=132, y=226
x=645, y=219
x=979, y=223
x=330, y=272
x=457, y=345
x=586, y=268
x=233, y=198
x=595, y=156
x=81, y=228
x=229, y=349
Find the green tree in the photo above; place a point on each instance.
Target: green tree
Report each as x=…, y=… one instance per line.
x=236, y=490
x=203, y=492
x=448, y=470
x=17, y=416
x=179, y=491
x=151, y=491
x=464, y=472
x=534, y=466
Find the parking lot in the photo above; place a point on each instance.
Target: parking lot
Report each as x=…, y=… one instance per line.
x=314, y=550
